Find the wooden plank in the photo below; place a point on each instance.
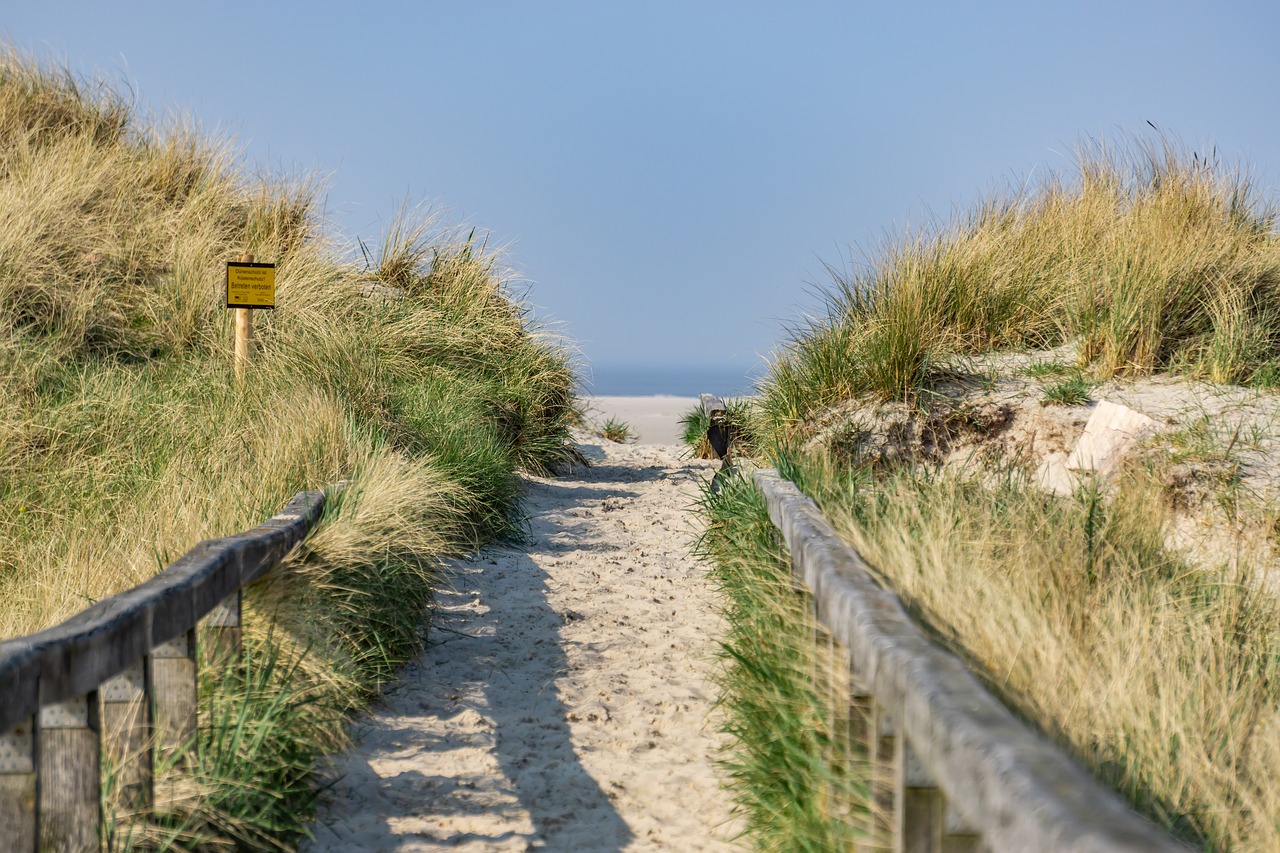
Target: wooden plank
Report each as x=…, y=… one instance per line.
x=958, y=835
x=858, y=717
x=858, y=738
x=884, y=769
x=127, y=736
x=1010, y=782
x=919, y=816
x=243, y=350
x=221, y=633
x=19, y=684
x=73, y=658
x=175, y=693
x=68, y=793
x=18, y=787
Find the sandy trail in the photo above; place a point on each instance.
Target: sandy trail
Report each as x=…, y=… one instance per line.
x=564, y=703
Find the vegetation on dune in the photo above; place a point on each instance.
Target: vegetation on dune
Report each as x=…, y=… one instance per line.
x=1157, y=673
x=1149, y=258
x=413, y=377
x=797, y=778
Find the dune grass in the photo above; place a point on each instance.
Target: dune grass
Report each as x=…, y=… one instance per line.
x=1148, y=257
x=797, y=778
x=413, y=375
x=1157, y=674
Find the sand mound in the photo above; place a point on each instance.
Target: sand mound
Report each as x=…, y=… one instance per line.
x=1214, y=449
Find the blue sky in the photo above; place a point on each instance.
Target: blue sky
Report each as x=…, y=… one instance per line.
x=672, y=178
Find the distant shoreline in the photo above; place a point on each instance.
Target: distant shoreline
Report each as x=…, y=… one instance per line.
x=666, y=381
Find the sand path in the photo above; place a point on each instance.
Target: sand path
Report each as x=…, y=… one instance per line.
x=564, y=702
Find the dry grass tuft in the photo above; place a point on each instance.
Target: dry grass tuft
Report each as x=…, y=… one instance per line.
x=1149, y=257
x=1160, y=676
x=123, y=440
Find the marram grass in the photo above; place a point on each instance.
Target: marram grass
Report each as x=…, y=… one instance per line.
x=1148, y=257
x=797, y=780
x=412, y=376
x=1159, y=676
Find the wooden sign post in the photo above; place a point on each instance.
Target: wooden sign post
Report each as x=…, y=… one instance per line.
x=249, y=285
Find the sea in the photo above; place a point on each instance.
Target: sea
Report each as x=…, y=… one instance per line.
x=683, y=381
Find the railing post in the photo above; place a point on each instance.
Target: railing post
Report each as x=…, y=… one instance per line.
x=174, y=690
x=224, y=634
x=817, y=640
x=68, y=759
x=884, y=758
x=127, y=735
x=837, y=755
x=918, y=827
x=18, y=787
x=958, y=836
x=861, y=757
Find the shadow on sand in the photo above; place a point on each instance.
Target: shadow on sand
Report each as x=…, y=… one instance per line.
x=513, y=654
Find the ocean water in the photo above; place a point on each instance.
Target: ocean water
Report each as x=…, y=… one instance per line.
x=647, y=381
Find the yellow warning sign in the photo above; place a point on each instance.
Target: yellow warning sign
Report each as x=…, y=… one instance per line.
x=251, y=285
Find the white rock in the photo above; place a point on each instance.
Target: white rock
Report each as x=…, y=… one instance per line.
x=1110, y=433
x=1054, y=476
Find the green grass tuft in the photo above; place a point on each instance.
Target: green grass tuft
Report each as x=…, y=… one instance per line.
x=1072, y=391
x=796, y=778
x=616, y=430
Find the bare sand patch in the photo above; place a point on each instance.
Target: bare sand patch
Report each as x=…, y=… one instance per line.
x=655, y=420
x=565, y=701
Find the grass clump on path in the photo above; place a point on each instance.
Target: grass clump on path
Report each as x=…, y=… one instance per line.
x=415, y=377
x=617, y=431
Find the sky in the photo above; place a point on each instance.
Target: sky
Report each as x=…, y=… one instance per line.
x=673, y=180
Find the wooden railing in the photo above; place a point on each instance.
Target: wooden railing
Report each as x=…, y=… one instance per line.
x=120, y=679
x=965, y=773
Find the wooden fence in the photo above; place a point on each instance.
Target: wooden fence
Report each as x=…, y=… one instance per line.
x=966, y=775
x=120, y=679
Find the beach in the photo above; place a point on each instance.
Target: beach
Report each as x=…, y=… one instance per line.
x=654, y=419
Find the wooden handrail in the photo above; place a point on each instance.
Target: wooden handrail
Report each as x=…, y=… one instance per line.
x=966, y=771
x=121, y=674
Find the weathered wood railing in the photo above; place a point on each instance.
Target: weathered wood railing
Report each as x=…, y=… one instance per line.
x=966, y=774
x=121, y=678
